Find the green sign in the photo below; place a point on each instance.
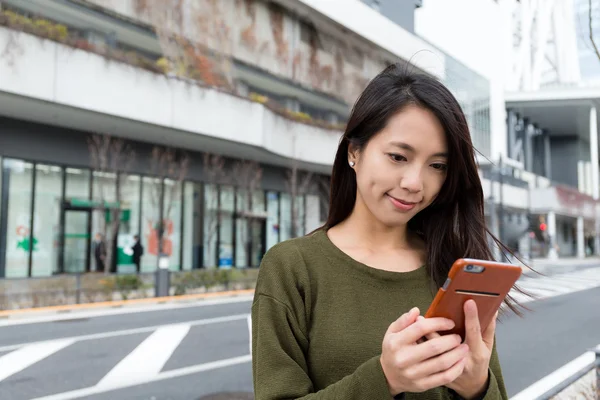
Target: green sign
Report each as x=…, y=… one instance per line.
x=84, y=203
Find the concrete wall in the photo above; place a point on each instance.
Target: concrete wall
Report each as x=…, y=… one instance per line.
x=76, y=79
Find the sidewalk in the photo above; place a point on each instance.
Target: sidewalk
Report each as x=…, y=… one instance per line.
x=566, y=264
x=134, y=303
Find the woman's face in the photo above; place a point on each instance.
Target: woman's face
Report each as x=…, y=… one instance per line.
x=402, y=168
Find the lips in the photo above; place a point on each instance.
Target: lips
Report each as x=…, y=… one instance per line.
x=401, y=205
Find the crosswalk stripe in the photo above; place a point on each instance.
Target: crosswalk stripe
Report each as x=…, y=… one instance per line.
x=175, y=373
x=148, y=358
x=26, y=356
x=104, y=335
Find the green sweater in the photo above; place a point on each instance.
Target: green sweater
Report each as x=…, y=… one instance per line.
x=318, y=321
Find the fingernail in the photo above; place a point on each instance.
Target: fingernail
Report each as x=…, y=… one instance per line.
x=414, y=310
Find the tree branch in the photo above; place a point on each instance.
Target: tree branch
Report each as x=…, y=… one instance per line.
x=591, y=31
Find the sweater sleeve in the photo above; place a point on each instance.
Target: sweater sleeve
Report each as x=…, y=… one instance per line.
x=280, y=369
x=280, y=315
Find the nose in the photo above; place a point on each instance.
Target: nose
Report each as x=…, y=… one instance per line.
x=412, y=180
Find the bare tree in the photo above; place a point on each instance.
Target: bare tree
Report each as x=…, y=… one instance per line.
x=170, y=167
x=297, y=184
x=592, y=40
x=247, y=176
x=214, y=172
x=109, y=156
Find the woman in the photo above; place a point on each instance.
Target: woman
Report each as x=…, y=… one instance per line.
x=406, y=202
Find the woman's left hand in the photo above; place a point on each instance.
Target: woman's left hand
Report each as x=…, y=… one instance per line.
x=474, y=380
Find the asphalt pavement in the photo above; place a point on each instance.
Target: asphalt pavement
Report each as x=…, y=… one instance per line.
x=190, y=351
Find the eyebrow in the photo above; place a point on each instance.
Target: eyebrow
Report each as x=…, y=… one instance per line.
x=408, y=147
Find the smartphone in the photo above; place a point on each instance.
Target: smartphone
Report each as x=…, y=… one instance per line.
x=486, y=282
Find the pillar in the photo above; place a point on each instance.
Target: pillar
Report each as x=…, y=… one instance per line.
x=595, y=171
x=594, y=153
x=547, y=155
x=551, y=222
x=580, y=238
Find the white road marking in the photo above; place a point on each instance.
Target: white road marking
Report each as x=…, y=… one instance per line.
x=22, y=320
x=148, y=359
x=90, y=391
x=250, y=332
x=566, y=371
x=26, y=356
x=103, y=335
x=558, y=284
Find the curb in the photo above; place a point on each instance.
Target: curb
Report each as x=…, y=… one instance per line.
x=123, y=303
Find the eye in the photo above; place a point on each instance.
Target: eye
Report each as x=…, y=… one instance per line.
x=440, y=167
x=397, y=157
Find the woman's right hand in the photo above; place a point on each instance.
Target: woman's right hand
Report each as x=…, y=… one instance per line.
x=410, y=366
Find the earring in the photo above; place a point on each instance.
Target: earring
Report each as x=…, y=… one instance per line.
x=351, y=164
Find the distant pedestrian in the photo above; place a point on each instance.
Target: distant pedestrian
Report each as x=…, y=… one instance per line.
x=138, y=251
x=99, y=252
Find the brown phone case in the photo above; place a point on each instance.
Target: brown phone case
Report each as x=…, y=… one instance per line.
x=486, y=282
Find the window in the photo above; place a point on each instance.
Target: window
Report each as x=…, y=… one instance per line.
x=211, y=224
x=192, y=234
x=46, y=225
x=172, y=218
x=285, y=223
x=19, y=176
x=242, y=231
x=150, y=217
x=299, y=216
x=226, y=196
x=272, y=234
x=77, y=184
x=104, y=189
x=130, y=222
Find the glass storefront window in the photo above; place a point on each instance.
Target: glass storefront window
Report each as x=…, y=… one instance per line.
x=285, y=225
x=150, y=216
x=313, y=212
x=19, y=177
x=242, y=238
x=77, y=184
x=226, y=195
x=104, y=187
x=192, y=234
x=172, y=218
x=130, y=222
x=299, y=213
x=272, y=219
x=46, y=226
x=76, y=229
x=211, y=224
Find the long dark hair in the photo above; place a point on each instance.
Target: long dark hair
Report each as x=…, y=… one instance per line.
x=453, y=226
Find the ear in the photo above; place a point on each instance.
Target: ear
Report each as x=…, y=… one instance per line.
x=353, y=153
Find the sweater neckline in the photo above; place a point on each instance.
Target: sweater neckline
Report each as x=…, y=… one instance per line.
x=332, y=250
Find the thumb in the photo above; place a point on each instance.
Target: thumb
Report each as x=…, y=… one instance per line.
x=489, y=332
x=404, y=321
x=472, y=327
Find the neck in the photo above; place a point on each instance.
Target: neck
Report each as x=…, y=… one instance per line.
x=367, y=231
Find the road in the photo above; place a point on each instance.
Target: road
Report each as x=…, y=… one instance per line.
x=191, y=350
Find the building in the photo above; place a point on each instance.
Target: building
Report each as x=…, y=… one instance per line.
x=541, y=176
x=250, y=96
